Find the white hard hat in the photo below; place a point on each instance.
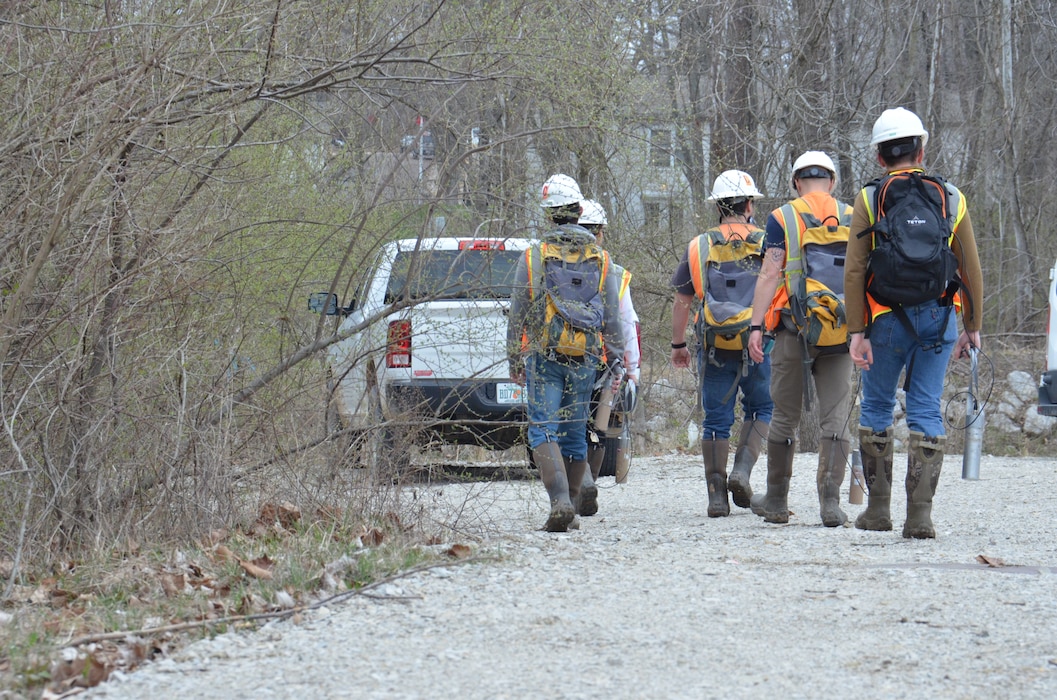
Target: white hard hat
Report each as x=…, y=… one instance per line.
x=898, y=123
x=734, y=184
x=560, y=190
x=593, y=213
x=817, y=158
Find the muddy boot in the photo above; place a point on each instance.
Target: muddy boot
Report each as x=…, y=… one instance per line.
x=588, y=502
x=753, y=433
x=715, y=455
x=876, y=452
x=596, y=452
x=832, y=459
x=548, y=459
x=774, y=505
x=923, y=474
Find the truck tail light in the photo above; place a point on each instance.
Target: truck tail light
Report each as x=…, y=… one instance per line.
x=398, y=345
x=482, y=244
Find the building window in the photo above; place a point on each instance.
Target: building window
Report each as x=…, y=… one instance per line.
x=661, y=148
x=662, y=215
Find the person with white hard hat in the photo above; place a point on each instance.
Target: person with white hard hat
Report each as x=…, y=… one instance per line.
x=796, y=363
x=915, y=333
x=557, y=371
x=594, y=219
x=723, y=371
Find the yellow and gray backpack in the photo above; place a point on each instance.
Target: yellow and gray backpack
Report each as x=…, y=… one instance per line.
x=571, y=277
x=724, y=270
x=814, y=274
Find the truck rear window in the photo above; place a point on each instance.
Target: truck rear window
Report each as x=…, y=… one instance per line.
x=452, y=274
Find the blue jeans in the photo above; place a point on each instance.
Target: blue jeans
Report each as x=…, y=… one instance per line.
x=559, y=392
x=893, y=347
x=719, y=392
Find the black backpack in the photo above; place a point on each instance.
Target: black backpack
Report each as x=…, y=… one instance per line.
x=911, y=261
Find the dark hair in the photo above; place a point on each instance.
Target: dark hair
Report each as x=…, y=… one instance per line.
x=733, y=206
x=893, y=151
x=565, y=214
x=594, y=228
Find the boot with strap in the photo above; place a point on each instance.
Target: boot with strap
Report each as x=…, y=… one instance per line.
x=832, y=460
x=774, y=505
x=876, y=452
x=548, y=459
x=715, y=454
x=924, y=462
x=750, y=440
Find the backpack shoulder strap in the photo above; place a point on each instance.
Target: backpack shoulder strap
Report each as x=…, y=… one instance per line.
x=788, y=216
x=697, y=256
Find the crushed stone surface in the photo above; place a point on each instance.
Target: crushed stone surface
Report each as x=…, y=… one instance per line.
x=651, y=598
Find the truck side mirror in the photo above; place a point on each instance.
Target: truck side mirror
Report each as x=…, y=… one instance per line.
x=323, y=303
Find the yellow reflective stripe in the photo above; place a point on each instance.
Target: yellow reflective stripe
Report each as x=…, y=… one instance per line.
x=625, y=280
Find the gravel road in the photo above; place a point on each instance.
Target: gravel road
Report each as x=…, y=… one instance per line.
x=651, y=598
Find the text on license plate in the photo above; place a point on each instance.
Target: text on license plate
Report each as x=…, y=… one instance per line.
x=509, y=392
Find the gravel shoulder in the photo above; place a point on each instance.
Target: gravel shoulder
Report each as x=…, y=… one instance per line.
x=651, y=598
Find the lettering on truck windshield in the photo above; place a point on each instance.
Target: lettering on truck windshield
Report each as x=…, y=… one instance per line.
x=452, y=274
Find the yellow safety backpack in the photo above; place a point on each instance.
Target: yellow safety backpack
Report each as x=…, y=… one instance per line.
x=812, y=298
x=724, y=270
x=572, y=278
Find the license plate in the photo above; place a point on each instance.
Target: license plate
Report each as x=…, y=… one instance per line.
x=509, y=393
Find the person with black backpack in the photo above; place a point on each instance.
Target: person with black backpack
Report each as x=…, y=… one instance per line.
x=912, y=265
x=563, y=312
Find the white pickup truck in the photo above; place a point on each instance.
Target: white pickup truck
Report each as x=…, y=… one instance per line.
x=436, y=367
x=1048, y=384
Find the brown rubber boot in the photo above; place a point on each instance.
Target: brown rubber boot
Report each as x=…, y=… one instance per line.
x=832, y=459
x=774, y=505
x=586, y=497
x=924, y=462
x=750, y=440
x=876, y=452
x=595, y=454
x=548, y=459
x=715, y=454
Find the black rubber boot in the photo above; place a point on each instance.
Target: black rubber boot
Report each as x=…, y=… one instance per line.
x=924, y=462
x=548, y=459
x=596, y=452
x=750, y=440
x=715, y=454
x=876, y=452
x=774, y=505
x=832, y=460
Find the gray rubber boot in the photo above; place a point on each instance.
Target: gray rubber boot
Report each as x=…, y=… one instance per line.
x=750, y=440
x=832, y=460
x=774, y=505
x=548, y=459
x=587, y=503
x=715, y=453
x=924, y=462
x=876, y=452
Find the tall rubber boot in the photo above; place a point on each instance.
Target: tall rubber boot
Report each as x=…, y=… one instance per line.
x=876, y=451
x=774, y=505
x=588, y=503
x=596, y=453
x=832, y=459
x=924, y=463
x=623, y=460
x=750, y=440
x=548, y=459
x=715, y=453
